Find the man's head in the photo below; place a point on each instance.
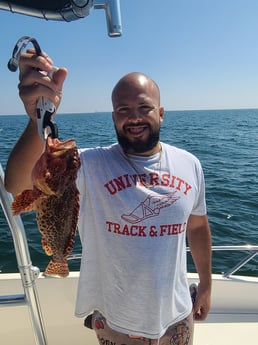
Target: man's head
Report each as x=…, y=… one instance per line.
x=137, y=114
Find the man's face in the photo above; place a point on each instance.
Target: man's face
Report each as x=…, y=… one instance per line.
x=137, y=117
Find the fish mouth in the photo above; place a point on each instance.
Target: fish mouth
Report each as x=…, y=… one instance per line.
x=57, y=142
x=58, y=147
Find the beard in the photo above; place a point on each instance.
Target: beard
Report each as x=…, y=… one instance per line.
x=138, y=145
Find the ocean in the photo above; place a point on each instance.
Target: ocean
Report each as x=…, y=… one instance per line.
x=225, y=141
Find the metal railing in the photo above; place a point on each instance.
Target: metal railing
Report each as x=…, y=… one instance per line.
x=28, y=272
x=253, y=251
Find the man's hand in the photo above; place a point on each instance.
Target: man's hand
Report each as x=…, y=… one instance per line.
x=34, y=82
x=202, y=302
x=199, y=239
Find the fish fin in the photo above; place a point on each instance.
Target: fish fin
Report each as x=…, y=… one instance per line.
x=57, y=269
x=24, y=202
x=70, y=245
x=46, y=247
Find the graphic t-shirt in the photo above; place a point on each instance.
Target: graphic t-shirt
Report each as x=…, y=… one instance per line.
x=133, y=220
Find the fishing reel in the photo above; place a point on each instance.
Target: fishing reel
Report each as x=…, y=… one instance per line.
x=45, y=109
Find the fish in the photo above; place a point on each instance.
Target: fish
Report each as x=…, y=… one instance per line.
x=55, y=198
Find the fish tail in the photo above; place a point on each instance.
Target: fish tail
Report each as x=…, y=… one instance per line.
x=57, y=269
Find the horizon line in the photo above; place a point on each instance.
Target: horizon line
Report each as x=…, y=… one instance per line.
x=110, y=111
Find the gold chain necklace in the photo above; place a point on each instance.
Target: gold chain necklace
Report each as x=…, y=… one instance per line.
x=140, y=175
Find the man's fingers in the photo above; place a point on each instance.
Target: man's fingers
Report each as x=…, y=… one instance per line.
x=31, y=61
x=59, y=77
x=200, y=313
x=35, y=81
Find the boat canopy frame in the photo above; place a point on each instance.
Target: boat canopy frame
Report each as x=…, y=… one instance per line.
x=67, y=10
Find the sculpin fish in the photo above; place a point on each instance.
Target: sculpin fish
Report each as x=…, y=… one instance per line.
x=55, y=198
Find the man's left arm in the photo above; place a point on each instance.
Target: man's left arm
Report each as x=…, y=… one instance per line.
x=199, y=240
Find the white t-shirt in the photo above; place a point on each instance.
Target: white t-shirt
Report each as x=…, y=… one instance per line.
x=133, y=267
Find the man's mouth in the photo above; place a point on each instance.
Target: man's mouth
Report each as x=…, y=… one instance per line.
x=136, y=130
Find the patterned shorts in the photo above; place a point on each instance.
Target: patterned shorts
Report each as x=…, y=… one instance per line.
x=180, y=333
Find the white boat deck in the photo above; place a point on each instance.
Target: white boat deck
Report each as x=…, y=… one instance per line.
x=233, y=318
x=229, y=333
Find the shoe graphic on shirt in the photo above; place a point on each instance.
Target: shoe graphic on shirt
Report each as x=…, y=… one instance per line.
x=150, y=207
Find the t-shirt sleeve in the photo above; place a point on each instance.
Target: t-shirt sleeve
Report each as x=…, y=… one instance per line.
x=199, y=208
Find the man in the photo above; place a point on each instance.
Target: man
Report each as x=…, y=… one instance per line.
x=139, y=199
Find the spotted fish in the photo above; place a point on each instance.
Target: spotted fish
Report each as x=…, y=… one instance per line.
x=55, y=198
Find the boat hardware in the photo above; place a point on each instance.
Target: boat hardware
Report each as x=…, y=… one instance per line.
x=45, y=109
x=28, y=272
x=253, y=251
x=66, y=10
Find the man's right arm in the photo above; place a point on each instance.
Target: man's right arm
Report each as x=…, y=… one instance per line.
x=29, y=147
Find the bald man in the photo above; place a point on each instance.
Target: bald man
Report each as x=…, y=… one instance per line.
x=139, y=200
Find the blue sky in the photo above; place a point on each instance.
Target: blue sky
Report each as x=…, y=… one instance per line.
x=202, y=53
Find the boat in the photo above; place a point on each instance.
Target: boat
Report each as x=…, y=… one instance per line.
x=35, y=309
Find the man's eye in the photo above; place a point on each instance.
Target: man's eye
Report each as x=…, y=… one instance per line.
x=145, y=109
x=123, y=110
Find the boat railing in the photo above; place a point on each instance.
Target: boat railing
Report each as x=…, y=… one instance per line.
x=28, y=272
x=252, y=252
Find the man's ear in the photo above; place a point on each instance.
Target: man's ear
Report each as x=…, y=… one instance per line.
x=161, y=113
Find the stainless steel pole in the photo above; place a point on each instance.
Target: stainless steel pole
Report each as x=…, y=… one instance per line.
x=27, y=271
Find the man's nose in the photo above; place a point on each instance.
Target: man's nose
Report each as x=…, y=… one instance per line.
x=135, y=114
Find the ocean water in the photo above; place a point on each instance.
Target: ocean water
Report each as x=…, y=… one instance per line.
x=225, y=141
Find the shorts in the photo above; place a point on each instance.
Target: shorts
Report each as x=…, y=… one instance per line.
x=180, y=333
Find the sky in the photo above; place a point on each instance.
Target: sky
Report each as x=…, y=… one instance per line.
x=202, y=53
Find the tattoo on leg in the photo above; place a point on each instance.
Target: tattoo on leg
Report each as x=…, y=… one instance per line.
x=99, y=322
x=103, y=341
x=180, y=334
